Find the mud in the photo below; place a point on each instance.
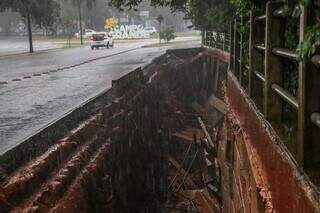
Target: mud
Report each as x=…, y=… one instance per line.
x=281, y=184
x=118, y=158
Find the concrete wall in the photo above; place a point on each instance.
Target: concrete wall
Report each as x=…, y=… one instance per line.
x=46, y=137
x=258, y=173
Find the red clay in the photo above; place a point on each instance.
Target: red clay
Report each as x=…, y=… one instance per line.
x=282, y=186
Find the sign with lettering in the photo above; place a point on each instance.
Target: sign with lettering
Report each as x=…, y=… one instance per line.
x=129, y=32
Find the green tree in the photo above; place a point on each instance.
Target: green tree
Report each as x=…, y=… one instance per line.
x=42, y=13
x=205, y=14
x=167, y=34
x=46, y=14
x=8, y=20
x=211, y=14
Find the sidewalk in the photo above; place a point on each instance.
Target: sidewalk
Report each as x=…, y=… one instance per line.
x=18, y=45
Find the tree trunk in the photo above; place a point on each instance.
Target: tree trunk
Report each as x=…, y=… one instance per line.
x=159, y=32
x=29, y=33
x=80, y=21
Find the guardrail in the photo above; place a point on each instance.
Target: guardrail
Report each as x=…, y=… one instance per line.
x=217, y=40
x=259, y=69
x=262, y=75
x=135, y=75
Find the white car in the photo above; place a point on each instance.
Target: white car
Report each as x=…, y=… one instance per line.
x=86, y=34
x=150, y=30
x=101, y=39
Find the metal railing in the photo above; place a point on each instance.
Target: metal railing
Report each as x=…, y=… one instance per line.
x=217, y=40
x=265, y=80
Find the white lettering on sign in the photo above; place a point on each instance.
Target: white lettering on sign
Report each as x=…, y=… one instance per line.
x=129, y=32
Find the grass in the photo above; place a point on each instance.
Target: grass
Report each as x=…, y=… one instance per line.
x=163, y=44
x=188, y=34
x=181, y=34
x=63, y=41
x=73, y=45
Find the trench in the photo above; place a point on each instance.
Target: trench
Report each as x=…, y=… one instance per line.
x=152, y=148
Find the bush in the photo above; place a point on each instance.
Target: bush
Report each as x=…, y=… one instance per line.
x=167, y=34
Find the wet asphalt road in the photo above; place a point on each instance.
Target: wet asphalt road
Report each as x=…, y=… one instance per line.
x=30, y=104
x=19, y=66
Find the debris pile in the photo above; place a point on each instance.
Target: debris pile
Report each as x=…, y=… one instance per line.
x=151, y=149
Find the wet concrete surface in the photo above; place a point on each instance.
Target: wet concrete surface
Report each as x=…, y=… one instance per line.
x=31, y=104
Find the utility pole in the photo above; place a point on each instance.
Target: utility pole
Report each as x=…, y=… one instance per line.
x=80, y=20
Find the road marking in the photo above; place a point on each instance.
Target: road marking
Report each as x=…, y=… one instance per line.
x=72, y=66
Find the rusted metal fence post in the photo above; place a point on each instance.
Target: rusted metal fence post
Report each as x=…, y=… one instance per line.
x=216, y=75
x=224, y=42
x=213, y=71
x=252, y=39
x=302, y=94
x=236, y=49
x=275, y=32
x=309, y=96
x=256, y=76
x=241, y=43
x=231, y=46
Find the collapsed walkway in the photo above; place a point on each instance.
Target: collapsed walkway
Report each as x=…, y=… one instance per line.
x=149, y=145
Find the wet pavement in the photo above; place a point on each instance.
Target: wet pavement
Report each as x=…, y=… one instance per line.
x=17, y=67
x=29, y=104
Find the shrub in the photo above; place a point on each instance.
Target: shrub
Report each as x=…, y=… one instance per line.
x=167, y=34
